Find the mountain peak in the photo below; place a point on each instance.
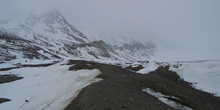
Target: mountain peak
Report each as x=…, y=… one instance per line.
x=47, y=16
x=46, y=34
x=43, y=11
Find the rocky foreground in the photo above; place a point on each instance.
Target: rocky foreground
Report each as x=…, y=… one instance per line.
x=123, y=89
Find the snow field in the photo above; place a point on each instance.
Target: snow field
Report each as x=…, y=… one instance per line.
x=204, y=75
x=47, y=88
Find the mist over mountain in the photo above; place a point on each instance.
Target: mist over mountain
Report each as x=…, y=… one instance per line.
x=187, y=27
x=109, y=54
x=46, y=34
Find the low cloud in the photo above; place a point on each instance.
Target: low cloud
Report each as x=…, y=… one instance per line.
x=172, y=22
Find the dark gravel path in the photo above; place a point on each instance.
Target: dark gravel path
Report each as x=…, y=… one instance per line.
x=122, y=89
x=2, y=100
x=8, y=78
x=29, y=65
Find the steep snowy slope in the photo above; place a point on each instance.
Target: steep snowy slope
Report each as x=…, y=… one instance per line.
x=46, y=34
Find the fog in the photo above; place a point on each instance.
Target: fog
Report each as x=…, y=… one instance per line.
x=174, y=23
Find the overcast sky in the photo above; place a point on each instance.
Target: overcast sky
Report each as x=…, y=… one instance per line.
x=187, y=23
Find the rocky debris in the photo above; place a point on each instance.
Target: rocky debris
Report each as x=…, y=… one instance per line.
x=9, y=78
x=2, y=100
x=122, y=89
x=28, y=65
x=137, y=68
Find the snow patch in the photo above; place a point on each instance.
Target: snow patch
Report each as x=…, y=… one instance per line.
x=204, y=75
x=164, y=98
x=148, y=67
x=47, y=88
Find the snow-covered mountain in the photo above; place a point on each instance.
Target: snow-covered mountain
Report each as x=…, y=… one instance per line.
x=46, y=34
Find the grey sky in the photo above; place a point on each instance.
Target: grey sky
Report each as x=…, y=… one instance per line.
x=184, y=23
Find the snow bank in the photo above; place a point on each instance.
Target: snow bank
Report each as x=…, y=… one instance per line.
x=204, y=75
x=47, y=88
x=148, y=67
x=164, y=98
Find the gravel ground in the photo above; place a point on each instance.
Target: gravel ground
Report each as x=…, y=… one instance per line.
x=2, y=100
x=8, y=78
x=122, y=89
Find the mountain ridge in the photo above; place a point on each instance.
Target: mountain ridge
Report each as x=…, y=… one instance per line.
x=49, y=35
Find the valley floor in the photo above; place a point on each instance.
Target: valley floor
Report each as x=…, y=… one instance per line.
x=103, y=87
